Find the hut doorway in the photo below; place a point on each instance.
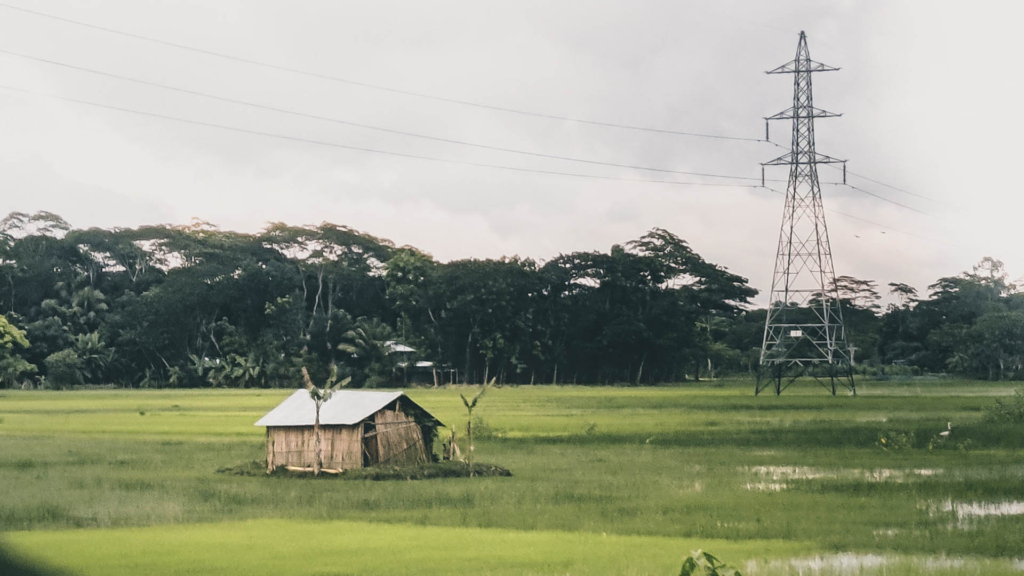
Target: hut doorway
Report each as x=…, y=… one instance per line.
x=371, y=455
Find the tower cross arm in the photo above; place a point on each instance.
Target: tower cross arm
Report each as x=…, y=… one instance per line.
x=800, y=65
x=789, y=159
x=804, y=112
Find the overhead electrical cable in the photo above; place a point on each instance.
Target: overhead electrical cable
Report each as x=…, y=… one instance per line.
x=361, y=125
x=351, y=82
x=437, y=98
x=365, y=149
x=880, y=183
x=413, y=156
x=400, y=132
x=411, y=93
x=852, y=173
x=891, y=187
x=866, y=221
x=404, y=133
x=879, y=196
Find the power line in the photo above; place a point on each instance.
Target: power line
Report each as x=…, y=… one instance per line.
x=404, y=133
x=880, y=225
x=890, y=186
x=879, y=196
x=864, y=220
x=421, y=95
x=876, y=182
x=376, y=86
x=364, y=149
x=361, y=125
x=427, y=96
x=880, y=183
x=415, y=156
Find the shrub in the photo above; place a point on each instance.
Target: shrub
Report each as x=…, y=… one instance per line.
x=1011, y=410
x=482, y=429
x=896, y=441
x=63, y=369
x=14, y=368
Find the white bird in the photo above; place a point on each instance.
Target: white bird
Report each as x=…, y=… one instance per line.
x=949, y=427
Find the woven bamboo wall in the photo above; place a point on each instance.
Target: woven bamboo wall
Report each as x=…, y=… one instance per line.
x=294, y=446
x=399, y=438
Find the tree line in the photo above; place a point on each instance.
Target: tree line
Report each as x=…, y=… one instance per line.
x=194, y=306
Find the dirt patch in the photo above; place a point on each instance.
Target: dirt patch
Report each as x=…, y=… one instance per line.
x=384, y=472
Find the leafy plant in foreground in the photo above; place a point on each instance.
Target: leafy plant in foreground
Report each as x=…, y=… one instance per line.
x=703, y=563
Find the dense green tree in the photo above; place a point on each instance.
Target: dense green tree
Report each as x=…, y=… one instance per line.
x=64, y=369
x=198, y=306
x=967, y=325
x=12, y=366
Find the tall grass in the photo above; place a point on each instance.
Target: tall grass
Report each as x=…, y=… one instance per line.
x=664, y=462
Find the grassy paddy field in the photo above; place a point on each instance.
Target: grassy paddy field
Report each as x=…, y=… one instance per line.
x=606, y=481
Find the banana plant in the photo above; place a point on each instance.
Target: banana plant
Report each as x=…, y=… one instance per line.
x=470, y=405
x=320, y=396
x=703, y=563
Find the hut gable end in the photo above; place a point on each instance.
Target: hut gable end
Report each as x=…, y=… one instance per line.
x=400, y=439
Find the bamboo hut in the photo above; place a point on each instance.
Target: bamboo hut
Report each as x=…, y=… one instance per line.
x=357, y=429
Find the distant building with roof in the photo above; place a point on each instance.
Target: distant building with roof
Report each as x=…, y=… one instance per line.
x=358, y=428
x=419, y=371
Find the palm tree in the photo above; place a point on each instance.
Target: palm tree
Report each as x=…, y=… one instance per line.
x=368, y=343
x=89, y=304
x=320, y=396
x=94, y=356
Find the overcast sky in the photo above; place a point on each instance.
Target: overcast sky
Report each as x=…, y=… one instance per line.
x=930, y=94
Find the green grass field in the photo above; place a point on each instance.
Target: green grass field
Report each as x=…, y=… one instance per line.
x=606, y=481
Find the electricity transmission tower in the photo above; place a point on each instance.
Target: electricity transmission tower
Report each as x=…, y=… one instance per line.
x=803, y=332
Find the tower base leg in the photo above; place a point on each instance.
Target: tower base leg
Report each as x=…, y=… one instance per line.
x=778, y=377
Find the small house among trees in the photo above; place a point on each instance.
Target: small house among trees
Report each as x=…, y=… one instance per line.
x=358, y=429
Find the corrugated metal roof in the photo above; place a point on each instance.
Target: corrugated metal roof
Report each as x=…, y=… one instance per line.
x=397, y=347
x=346, y=407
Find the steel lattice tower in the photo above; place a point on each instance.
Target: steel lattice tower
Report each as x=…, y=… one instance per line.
x=804, y=331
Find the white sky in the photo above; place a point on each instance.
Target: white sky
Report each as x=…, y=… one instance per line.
x=930, y=93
